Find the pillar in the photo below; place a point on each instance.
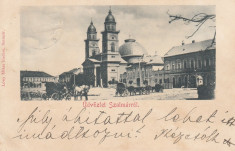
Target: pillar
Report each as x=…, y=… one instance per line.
x=95, y=77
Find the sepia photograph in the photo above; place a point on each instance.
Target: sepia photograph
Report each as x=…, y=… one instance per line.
x=117, y=52
x=117, y=75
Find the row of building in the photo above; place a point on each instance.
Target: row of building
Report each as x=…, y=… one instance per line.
x=187, y=65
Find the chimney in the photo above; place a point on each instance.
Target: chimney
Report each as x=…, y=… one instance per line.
x=182, y=43
x=193, y=41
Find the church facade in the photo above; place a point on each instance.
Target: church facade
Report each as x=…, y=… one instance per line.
x=103, y=67
x=129, y=63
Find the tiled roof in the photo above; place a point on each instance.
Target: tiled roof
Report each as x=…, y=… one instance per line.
x=189, y=48
x=34, y=74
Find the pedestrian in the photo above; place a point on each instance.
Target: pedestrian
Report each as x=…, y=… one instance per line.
x=85, y=92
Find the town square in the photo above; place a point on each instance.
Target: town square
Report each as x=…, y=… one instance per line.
x=120, y=66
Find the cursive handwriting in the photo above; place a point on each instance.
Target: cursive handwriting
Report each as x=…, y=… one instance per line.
x=174, y=117
x=229, y=122
x=104, y=118
x=228, y=142
x=177, y=135
x=49, y=129
x=32, y=118
x=73, y=124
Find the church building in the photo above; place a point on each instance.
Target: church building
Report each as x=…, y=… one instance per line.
x=103, y=68
x=129, y=63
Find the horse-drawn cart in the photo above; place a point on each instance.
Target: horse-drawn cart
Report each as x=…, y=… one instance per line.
x=123, y=90
x=57, y=91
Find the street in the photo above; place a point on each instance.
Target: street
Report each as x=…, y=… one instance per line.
x=168, y=94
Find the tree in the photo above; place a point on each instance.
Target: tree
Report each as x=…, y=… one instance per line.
x=198, y=19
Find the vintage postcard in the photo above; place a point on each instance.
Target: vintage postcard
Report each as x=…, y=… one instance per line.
x=117, y=76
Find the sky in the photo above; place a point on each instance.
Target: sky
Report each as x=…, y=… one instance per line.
x=52, y=37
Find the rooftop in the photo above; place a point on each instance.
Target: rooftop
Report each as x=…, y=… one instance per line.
x=34, y=74
x=190, y=48
x=73, y=71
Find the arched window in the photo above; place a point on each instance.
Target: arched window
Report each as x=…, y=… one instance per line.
x=207, y=62
x=167, y=67
x=112, y=47
x=185, y=64
x=178, y=64
x=199, y=64
x=108, y=27
x=192, y=64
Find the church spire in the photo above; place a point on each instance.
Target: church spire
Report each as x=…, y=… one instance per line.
x=91, y=28
x=110, y=11
x=110, y=18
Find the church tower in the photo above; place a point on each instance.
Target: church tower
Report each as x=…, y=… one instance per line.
x=110, y=35
x=110, y=54
x=91, y=43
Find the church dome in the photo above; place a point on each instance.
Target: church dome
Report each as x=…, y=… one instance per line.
x=132, y=48
x=131, y=51
x=91, y=28
x=110, y=17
